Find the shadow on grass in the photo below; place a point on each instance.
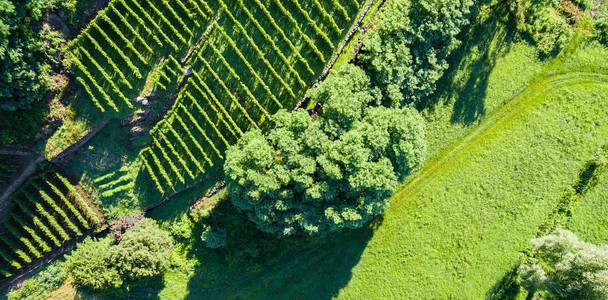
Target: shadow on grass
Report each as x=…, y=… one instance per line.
x=466, y=81
x=507, y=288
x=256, y=265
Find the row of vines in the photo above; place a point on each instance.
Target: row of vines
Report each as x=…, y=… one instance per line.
x=257, y=57
x=44, y=214
x=114, y=55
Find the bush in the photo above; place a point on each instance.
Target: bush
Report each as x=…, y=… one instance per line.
x=144, y=252
x=46, y=280
x=90, y=267
x=601, y=32
x=214, y=238
x=322, y=174
x=542, y=21
x=566, y=267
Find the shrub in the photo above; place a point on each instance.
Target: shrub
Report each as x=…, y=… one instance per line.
x=144, y=252
x=541, y=20
x=90, y=267
x=214, y=237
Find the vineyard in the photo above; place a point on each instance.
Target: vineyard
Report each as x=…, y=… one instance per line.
x=44, y=214
x=256, y=57
x=115, y=54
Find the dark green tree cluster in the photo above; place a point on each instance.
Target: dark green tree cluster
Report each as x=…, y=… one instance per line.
x=565, y=267
x=143, y=253
x=24, y=58
x=545, y=22
x=407, y=52
x=320, y=174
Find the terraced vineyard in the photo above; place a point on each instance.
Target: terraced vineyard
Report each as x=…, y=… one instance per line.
x=44, y=214
x=116, y=53
x=257, y=57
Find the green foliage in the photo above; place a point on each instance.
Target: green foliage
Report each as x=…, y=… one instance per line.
x=24, y=59
x=542, y=21
x=143, y=253
x=46, y=280
x=324, y=174
x=407, y=52
x=600, y=32
x=214, y=237
x=566, y=267
x=90, y=267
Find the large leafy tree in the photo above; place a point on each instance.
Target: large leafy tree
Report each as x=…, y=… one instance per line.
x=323, y=173
x=406, y=53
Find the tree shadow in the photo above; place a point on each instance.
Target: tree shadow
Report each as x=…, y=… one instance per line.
x=263, y=267
x=465, y=84
x=507, y=288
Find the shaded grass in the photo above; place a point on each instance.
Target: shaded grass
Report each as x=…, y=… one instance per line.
x=589, y=217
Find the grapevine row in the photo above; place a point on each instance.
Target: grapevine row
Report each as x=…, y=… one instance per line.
x=278, y=29
x=238, y=78
x=272, y=44
x=295, y=24
x=314, y=24
x=257, y=50
x=242, y=57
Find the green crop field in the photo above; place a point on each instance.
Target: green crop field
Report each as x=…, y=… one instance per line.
x=254, y=57
x=44, y=214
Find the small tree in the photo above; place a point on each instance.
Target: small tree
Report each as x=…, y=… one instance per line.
x=144, y=252
x=566, y=267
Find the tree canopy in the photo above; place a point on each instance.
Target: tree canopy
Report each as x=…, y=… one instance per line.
x=23, y=55
x=406, y=53
x=320, y=174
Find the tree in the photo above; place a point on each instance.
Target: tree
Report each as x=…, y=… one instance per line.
x=322, y=174
x=407, y=52
x=25, y=60
x=566, y=267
